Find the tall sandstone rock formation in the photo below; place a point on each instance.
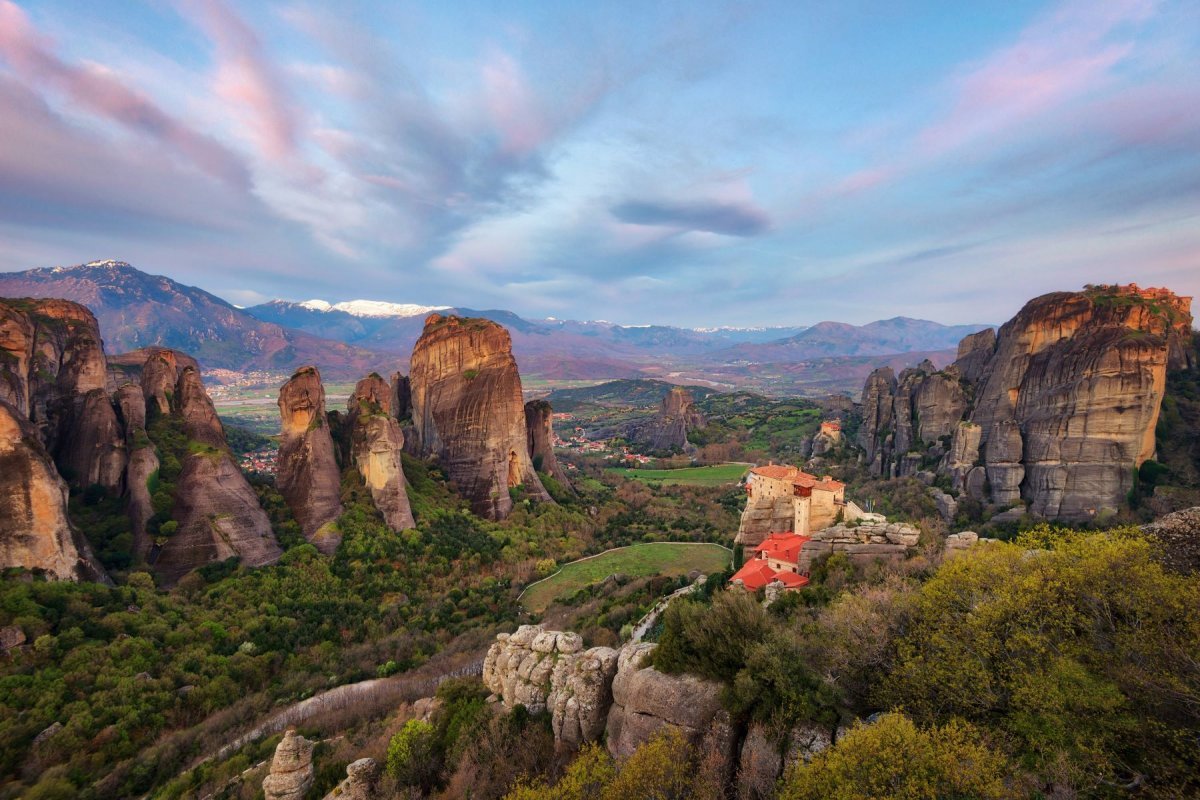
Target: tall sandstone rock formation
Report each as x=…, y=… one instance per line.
x=468, y=411
x=52, y=369
x=308, y=475
x=376, y=444
x=35, y=532
x=539, y=426
x=1055, y=411
x=56, y=379
x=216, y=509
x=668, y=430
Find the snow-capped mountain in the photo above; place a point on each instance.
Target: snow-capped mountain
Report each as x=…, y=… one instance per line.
x=369, y=308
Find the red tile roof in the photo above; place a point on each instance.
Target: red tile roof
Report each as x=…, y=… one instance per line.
x=782, y=547
x=791, y=580
x=756, y=573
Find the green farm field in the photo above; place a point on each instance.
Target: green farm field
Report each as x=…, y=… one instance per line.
x=639, y=560
x=688, y=476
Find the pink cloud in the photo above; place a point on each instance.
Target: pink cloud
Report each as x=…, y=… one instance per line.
x=1057, y=67
x=511, y=106
x=247, y=79
x=103, y=94
x=1059, y=57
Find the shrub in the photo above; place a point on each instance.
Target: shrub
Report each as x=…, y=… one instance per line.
x=894, y=758
x=712, y=641
x=412, y=756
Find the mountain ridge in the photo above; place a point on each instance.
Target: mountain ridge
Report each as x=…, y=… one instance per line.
x=137, y=309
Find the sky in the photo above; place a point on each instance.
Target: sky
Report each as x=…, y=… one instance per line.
x=687, y=163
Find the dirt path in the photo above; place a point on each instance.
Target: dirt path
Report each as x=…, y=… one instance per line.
x=397, y=689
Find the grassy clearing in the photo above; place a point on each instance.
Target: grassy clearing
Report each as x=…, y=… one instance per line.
x=639, y=560
x=689, y=476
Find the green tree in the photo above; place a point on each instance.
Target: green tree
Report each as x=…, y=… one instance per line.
x=412, y=756
x=711, y=640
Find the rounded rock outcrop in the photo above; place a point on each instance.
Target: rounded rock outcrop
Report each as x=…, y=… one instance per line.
x=550, y=670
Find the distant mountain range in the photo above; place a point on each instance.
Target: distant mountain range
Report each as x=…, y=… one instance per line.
x=348, y=339
x=136, y=310
x=394, y=327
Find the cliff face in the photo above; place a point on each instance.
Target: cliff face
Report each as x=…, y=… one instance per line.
x=376, y=443
x=468, y=411
x=35, y=532
x=401, y=396
x=217, y=511
x=908, y=415
x=16, y=353
x=159, y=373
x=143, y=462
x=539, y=426
x=308, y=475
x=1059, y=410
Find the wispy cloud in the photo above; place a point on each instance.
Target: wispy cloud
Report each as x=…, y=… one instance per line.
x=634, y=162
x=93, y=87
x=247, y=79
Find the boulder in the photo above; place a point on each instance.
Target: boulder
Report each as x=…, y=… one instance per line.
x=308, y=476
x=362, y=776
x=947, y=506
x=11, y=636
x=960, y=542
x=870, y=540
x=291, y=773
x=468, y=411
x=581, y=695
